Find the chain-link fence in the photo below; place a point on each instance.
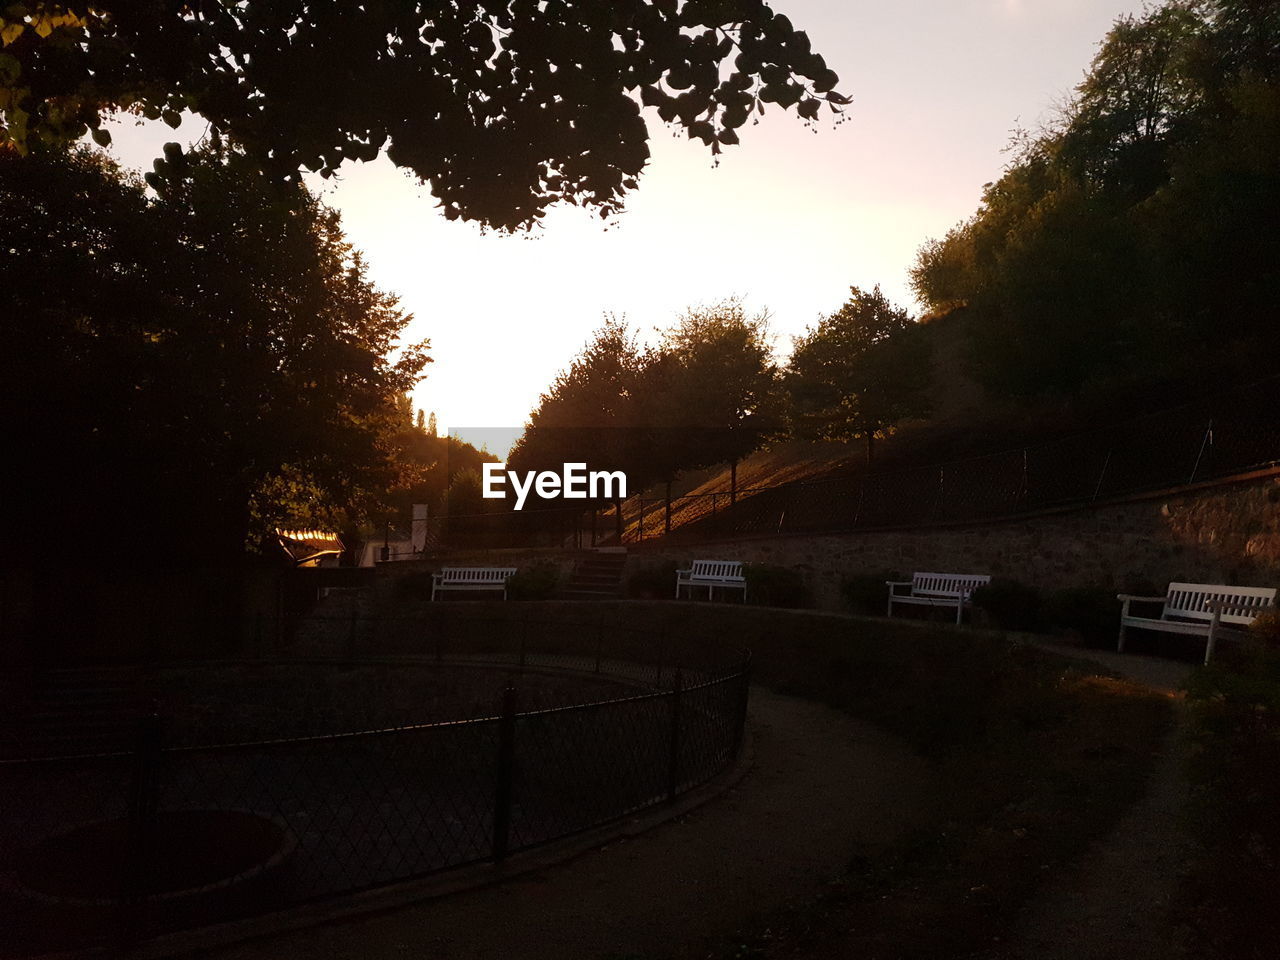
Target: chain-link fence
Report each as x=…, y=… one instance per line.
x=582, y=726
x=1231, y=433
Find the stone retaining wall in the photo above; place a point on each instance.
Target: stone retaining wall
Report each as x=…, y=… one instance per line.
x=1218, y=533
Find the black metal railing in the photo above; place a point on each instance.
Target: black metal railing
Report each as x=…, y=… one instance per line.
x=583, y=726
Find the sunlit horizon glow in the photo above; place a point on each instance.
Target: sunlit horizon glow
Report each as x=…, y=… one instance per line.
x=788, y=220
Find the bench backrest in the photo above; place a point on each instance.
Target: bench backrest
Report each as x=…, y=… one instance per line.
x=495, y=575
x=947, y=584
x=1187, y=601
x=717, y=570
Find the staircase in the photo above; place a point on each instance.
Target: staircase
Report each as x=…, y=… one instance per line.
x=597, y=577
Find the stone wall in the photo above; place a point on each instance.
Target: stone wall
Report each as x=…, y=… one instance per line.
x=1217, y=533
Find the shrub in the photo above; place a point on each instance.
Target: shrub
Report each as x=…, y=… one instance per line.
x=653, y=581
x=774, y=586
x=866, y=592
x=536, y=582
x=1091, y=612
x=1010, y=604
x=413, y=586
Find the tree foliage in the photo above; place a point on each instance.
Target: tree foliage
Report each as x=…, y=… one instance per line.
x=1135, y=237
x=504, y=106
x=722, y=391
x=191, y=362
x=706, y=394
x=859, y=372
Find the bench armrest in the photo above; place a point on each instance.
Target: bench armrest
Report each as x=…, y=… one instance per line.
x=897, y=583
x=1127, y=597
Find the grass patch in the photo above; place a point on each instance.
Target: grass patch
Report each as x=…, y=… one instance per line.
x=1038, y=756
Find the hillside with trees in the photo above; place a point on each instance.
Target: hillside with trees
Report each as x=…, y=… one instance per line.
x=1123, y=262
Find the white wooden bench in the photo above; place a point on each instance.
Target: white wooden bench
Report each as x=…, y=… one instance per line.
x=712, y=574
x=937, y=590
x=1199, y=609
x=471, y=578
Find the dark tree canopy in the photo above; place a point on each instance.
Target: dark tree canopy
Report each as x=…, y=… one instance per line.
x=504, y=106
x=590, y=413
x=189, y=361
x=1135, y=239
x=860, y=372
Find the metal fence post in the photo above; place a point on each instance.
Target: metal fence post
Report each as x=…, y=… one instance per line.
x=503, y=774
x=1204, y=444
x=740, y=713
x=144, y=794
x=673, y=757
x=1102, y=476
x=1025, y=493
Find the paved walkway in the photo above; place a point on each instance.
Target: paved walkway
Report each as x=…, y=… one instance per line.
x=1114, y=903
x=823, y=787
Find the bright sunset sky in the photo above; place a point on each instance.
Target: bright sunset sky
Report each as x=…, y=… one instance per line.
x=788, y=220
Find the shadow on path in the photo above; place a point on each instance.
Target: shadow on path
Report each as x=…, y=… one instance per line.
x=1115, y=903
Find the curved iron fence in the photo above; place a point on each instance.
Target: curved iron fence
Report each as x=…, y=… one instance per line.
x=371, y=806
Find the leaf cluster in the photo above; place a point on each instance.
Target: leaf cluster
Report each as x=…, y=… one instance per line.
x=504, y=106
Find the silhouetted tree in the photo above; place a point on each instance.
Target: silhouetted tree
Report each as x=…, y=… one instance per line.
x=723, y=385
x=504, y=106
x=590, y=413
x=193, y=364
x=860, y=372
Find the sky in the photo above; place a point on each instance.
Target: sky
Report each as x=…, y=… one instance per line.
x=788, y=220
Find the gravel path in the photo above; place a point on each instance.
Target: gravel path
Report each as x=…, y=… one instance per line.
x=824, y=787
x=1114, y=903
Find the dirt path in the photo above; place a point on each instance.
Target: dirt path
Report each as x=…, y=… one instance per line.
x=1114, y=904
x=823, y=788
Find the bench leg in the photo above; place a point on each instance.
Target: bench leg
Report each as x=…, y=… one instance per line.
x=1213, y=635
x=959, y=611
x=1120, y=640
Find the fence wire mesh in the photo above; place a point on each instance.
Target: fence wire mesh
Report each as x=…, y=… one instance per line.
x=582, y=726
x=1231, y=433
